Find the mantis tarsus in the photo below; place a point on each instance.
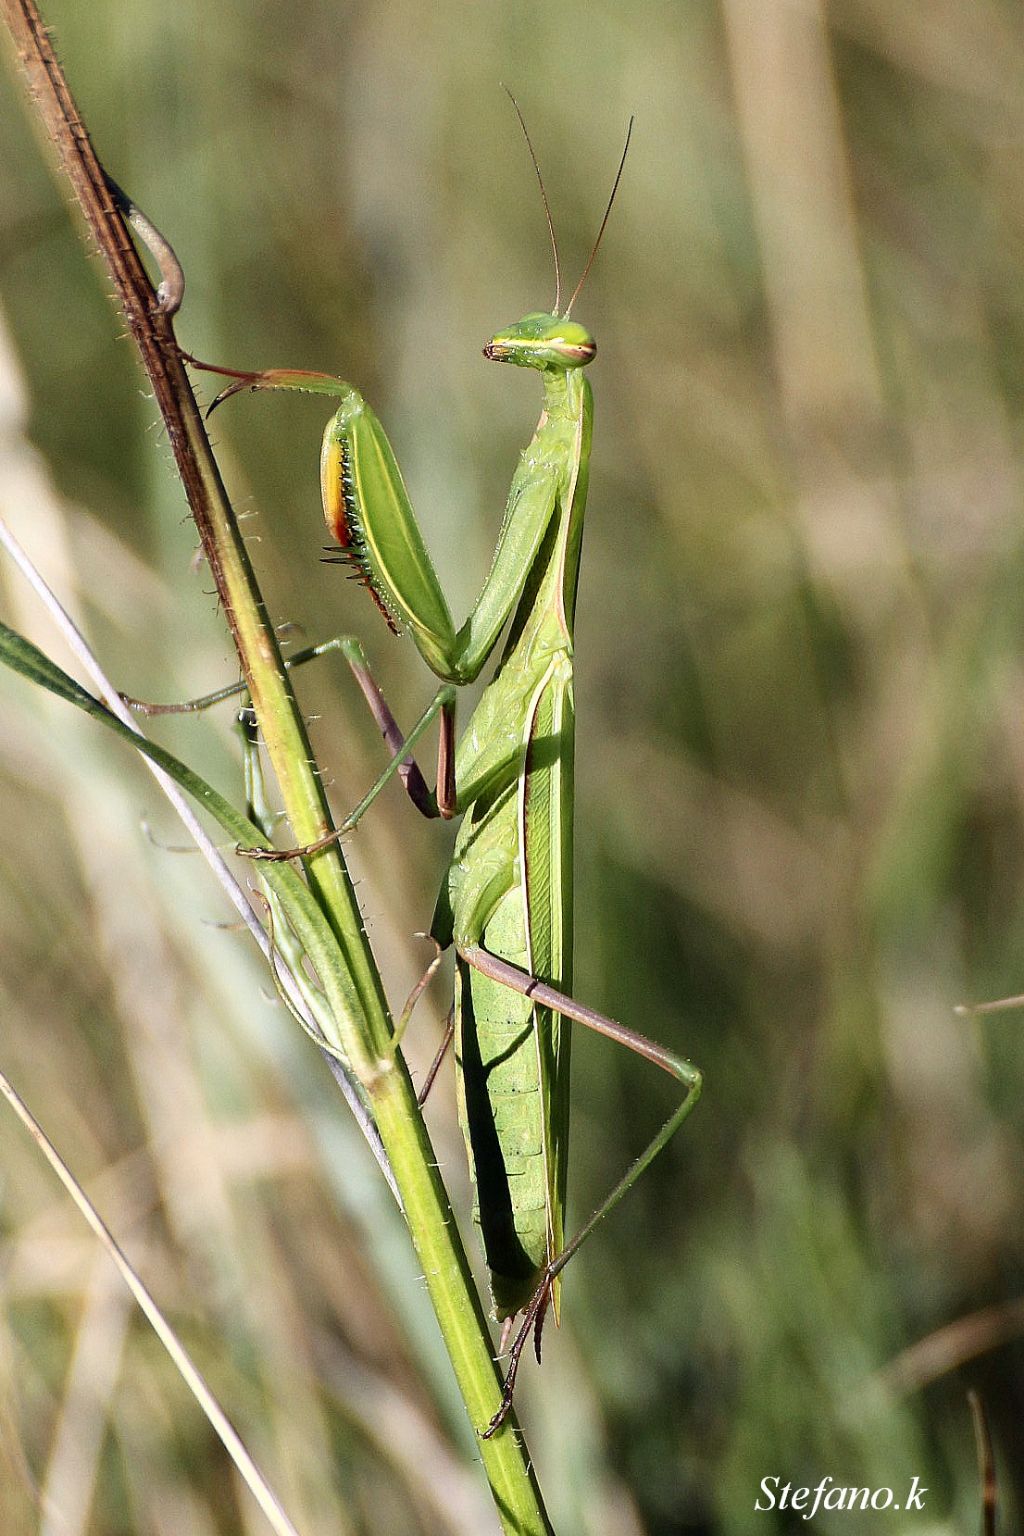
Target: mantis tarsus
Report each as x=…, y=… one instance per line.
x=506, y=900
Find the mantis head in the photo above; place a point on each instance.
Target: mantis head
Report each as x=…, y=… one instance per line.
x=550, y=342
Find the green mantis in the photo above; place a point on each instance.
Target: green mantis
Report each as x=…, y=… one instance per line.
x=506, y=901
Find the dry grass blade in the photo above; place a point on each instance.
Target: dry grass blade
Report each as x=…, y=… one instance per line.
x=986, y=1465
x=85, y=1410
x=951, y=1347
x=225, y=1430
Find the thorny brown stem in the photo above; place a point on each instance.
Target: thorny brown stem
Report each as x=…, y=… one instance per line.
x=151, y=327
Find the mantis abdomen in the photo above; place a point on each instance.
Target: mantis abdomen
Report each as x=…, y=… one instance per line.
x=513, y=1056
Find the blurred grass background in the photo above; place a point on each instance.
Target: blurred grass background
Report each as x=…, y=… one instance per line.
x=801, y=751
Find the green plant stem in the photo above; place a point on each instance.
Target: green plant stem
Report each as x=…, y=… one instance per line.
x=363, y=1035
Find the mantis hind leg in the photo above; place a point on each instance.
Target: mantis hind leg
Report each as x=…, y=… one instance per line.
x=678, y=1067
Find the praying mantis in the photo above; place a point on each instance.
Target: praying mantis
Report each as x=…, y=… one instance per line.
x=506, y=901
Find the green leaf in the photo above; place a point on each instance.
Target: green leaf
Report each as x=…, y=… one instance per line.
x=297, y=901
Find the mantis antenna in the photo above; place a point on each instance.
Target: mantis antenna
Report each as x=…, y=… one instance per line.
x=604, y=222
x=547, y=206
